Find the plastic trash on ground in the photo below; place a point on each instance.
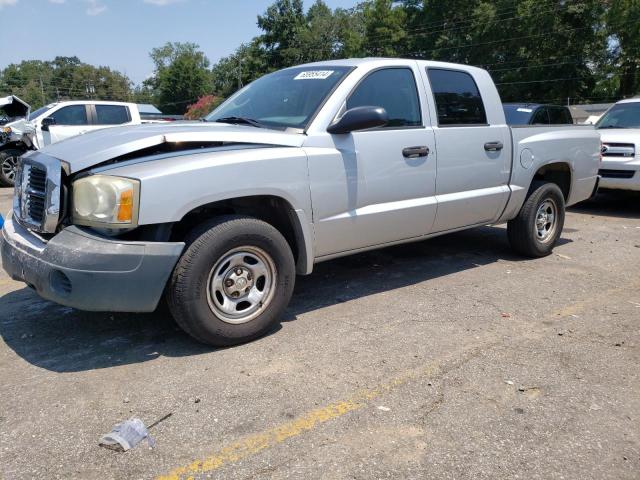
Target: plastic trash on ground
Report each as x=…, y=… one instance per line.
x=126, y=435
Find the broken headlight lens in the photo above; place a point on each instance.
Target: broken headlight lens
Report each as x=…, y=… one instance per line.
x=105, y=201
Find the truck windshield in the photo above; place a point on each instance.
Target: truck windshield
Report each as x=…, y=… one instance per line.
x=622, y=115
x=517, y=114
x=35, y=114
x=284, y=99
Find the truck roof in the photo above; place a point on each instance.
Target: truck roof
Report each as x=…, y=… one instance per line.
x=356, y=62
x=630, y=100
x=90, y=102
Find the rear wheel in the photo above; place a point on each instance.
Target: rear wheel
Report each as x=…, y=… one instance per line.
x=233, y=282
x=536, y=229
x=9, y=166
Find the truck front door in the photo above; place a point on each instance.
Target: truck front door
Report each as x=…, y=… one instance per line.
x=70, y=120
x=474, y=156
x=381, y=188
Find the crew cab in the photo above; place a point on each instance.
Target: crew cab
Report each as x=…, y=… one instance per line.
x=619, y=129
x=59, y=121
x=301, y=166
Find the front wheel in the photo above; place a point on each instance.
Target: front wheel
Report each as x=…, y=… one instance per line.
x=233, y=282
x=538, y=226
x=9, y=166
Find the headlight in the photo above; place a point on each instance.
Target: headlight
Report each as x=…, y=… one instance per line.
x=6, y=130
x=104, y=201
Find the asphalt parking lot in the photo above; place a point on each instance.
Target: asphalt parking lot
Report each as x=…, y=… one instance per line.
x=450, y=358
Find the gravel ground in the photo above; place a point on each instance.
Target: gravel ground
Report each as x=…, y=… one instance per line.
x=450, y=358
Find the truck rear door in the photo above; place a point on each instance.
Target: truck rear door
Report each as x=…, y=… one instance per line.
x=473, y=148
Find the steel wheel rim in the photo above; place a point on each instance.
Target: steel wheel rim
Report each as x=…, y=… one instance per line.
x=546, y=220
x=241, y=284
x=9, y=168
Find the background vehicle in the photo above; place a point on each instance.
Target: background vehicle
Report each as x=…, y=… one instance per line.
x=536, y=114
x=13, y=115
x=303, y=165
x=59, y=121
x=619, y=130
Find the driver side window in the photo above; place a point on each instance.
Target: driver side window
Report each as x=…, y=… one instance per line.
x=393, y=89
x=71, y=115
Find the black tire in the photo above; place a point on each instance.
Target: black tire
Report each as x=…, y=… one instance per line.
x=8, y=160
x=523, y=231
x=189, y=295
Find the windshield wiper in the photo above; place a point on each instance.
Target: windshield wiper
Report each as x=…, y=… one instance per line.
x=611, y=126
x=241, y=120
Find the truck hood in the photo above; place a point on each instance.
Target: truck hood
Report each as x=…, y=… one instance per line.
x=90, y=149
x=14, y=107
x=620, y=135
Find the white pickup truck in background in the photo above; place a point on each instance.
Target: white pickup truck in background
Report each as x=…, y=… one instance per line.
x=55, y=122
x=619, y=130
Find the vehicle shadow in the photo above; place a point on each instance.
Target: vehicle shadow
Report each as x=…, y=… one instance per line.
x=611, y=203
x=62, y=339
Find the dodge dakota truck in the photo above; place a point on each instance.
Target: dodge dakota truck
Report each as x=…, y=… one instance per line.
x=55, y=122
x=301, y=166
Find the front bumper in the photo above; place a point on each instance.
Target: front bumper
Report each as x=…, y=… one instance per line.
x=620, y=173
x=86, y=271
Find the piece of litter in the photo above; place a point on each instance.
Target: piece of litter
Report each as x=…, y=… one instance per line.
x=505, y=315
x=563, y=256
x=508, y=382
x=384, y=409
x=126, y=435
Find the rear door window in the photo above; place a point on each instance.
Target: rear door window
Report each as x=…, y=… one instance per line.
x=559, y=116
x=71, y=115
x=112, y=114
x=458, y=99
x=393, y=89
x=540, y=117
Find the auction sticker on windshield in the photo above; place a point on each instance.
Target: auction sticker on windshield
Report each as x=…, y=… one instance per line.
x=314, y=75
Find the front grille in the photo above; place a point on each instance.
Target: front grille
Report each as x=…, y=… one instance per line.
x=618, y=150
x=36, y=195
x=37, y=199
x=607, y=173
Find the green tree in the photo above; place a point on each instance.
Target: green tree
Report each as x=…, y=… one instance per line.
x=181, y=76
x=282, y=24
x=64, y=78
x=623, y=26
x=385, y=29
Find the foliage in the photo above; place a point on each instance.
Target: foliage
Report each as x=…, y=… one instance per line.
x=65, y=78
x=202, y=107
x=181, y=76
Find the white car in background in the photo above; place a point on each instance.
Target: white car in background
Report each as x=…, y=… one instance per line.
x=619, y=129
x=55, y=122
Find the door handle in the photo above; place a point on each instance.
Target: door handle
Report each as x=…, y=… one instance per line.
x=493, y=146
x=415, y=152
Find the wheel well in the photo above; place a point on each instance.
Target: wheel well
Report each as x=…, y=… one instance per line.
x=558, y=173
x=271, y=209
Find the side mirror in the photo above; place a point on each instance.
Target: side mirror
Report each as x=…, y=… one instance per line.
x=359, y=118
x=46, y=122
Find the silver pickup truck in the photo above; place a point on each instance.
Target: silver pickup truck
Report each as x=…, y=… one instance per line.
x=303, y=165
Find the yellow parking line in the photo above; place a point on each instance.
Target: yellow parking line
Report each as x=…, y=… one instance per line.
x=274, y=436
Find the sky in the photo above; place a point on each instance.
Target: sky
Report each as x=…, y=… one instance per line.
x=121, y=33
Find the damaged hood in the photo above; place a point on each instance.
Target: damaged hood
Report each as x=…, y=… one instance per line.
x=13, y=107
x=96, y=147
